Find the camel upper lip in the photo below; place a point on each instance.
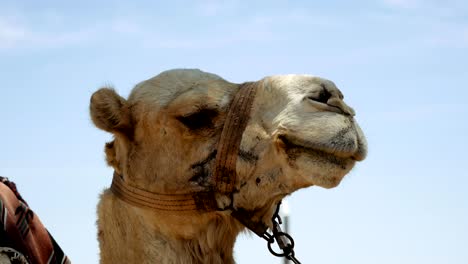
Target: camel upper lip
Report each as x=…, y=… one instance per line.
x=292, y=142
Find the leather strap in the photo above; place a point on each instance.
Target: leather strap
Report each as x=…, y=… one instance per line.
x=224, y=175
x=166, y=202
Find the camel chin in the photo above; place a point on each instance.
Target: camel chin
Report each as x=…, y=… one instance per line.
x=324, y=170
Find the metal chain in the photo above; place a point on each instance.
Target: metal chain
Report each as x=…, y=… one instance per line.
x=284, y=240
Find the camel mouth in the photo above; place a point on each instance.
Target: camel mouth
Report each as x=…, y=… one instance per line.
x=294, y=147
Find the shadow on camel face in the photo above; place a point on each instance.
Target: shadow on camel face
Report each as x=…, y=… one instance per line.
x=300, y=133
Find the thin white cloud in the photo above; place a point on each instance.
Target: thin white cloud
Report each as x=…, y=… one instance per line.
x=238, y=34
x=406, y=4
x=30, y=32
x=26, y=34
x=455, y=36
x=429, y=8
x=41, y=30
x=125, y=27
x=11, y=33
x=258, y=28
x=214, y=7
x=15, y=34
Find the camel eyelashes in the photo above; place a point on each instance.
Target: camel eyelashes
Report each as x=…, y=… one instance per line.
x=200, y=119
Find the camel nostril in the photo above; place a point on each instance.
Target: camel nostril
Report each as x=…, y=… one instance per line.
x=324, y=95
x=321, y=97
x=345, y=109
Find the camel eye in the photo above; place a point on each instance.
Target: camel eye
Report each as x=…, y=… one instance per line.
x=321, y=97
x=199, y=120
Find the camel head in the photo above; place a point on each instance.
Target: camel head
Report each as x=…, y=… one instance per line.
x=300, y=133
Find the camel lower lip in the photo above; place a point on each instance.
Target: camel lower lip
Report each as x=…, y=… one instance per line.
x=293, y=150
x=290, y=145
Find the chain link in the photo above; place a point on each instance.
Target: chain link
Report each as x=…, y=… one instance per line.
x=284, y=240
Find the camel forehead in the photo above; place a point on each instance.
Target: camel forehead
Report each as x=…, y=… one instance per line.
x=168, y=85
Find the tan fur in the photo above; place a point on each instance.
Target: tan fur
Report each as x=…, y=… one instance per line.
x=156, y=148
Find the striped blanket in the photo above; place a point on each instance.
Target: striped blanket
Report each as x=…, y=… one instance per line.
x=23, y=238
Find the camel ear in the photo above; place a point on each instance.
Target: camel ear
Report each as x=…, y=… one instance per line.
x=109, y=111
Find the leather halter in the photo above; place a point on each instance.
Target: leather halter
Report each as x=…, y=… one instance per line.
x=157, y=201
x=224, y=175
x=223, y=181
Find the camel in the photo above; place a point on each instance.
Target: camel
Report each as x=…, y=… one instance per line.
x=299, y=133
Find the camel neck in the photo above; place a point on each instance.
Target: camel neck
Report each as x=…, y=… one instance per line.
x=130, y=234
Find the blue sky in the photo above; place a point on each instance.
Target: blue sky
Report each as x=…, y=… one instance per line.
x=402, y=64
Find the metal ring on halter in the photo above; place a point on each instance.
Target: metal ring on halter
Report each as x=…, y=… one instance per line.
x=287, y=250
